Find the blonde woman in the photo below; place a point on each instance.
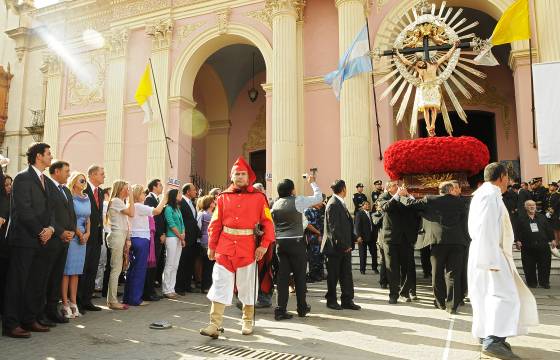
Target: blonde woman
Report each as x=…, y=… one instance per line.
x=77, y=248
x=119, y=210
x=140, y=238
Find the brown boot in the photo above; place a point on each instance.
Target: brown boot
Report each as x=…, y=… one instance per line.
x=216, y=317
x=247, y=318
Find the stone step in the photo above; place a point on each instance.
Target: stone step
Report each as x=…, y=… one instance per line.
x=554, y=270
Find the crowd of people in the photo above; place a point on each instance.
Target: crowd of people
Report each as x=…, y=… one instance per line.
x=66, y=240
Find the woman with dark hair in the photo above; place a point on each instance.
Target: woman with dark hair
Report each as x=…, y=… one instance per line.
x=5, y=195
x=174, y=242
x=206, y=206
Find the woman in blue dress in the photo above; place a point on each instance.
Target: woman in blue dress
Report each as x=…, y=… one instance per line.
x=77, y=248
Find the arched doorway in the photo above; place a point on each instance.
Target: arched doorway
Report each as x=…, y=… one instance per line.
x=207, y=83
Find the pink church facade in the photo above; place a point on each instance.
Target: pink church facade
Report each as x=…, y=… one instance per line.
x=208, y=116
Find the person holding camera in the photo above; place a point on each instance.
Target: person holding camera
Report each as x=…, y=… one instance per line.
x=291, y=249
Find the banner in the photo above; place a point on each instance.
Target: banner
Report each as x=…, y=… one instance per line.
x=547, y=111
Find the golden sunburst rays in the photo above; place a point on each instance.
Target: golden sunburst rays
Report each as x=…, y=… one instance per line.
x=456, y=75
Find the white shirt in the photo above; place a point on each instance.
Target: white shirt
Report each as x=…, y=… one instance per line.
x=57, y=184
x=38, y=172
x=189, y=202
x=341, y=199
x=304, y=202
x=117, y=219
x=140, y=224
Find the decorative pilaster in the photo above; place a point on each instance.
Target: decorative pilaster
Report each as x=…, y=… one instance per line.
x=300, y=108
x=546, y=19
x=157, y=161
x=114, y=123
x=285, y=157
x=52, y=71
x=355, y=129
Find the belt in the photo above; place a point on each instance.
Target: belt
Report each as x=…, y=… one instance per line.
x=231, y=231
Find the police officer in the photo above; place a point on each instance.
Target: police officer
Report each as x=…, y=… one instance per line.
x=377, y=191
x=359, y=197
x=539, y=194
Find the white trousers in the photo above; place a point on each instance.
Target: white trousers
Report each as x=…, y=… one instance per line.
x=223, y=281
x=173, y=251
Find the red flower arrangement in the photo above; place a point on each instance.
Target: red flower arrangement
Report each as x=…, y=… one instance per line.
x=435, y=155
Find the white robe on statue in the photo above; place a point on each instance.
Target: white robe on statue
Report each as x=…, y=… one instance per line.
x=502, y=304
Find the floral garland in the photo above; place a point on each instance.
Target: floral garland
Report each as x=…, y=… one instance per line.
x=435, y=155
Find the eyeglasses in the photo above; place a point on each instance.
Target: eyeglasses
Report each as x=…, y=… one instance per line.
x=82, y=181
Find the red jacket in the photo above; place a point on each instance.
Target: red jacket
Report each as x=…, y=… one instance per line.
x=239, y=210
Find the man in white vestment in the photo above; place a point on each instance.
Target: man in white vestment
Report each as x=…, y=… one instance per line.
x=502, y=304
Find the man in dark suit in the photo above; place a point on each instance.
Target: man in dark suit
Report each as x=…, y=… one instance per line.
x=444, y=219
x=155, y=188
x=64, y=229
x=192, y=250
x=96, y=177
x=31, y=228
x=398, y=235
x=366, y=233
x=337, y=246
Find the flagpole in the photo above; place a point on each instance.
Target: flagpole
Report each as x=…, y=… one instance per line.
x=532, y=93
x=160, y=113
x=374, y=95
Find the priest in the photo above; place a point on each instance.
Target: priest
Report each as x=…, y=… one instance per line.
x=502, y=304
x=232, y=243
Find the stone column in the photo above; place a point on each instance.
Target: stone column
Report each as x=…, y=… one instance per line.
x=285, y=157
x=301, y=189
x=157, y=160
x=528, y=154
x=52, y=70
x=355, y=124
x=548, y=28
x=114, y=122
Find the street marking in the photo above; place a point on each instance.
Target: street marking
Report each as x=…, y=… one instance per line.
x=449, y=337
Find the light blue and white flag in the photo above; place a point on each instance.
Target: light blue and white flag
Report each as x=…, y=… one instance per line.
x=355, y=61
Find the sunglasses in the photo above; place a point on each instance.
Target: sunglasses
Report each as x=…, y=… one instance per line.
x=82, y=181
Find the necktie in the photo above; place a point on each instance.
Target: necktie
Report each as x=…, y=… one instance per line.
x=42, y=178
x=61, y=188
x=96, y=197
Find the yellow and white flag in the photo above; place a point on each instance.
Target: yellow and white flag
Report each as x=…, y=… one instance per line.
x=513, y=25
x=143, y=94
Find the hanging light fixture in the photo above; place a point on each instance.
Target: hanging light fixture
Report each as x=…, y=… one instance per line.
x=253, y=92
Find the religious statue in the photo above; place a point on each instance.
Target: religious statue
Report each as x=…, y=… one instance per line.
x=429, y=92
x=426, y=55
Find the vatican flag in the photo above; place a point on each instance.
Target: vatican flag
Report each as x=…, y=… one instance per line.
x=513, y=25
x=143, y=94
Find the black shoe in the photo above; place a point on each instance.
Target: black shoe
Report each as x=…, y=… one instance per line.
x=393, y=301
x=452, y=311
x=413, y=295
x=44, y=321
x=532, y=286
x=362, y=272
x=383, y=286
x=334, y=306
x=305, y=311
x=193, y=290
x=152, y=298
x=181, y=293
x=547, y=286
x=56, y=317
x=95, y=296
x=500, y=350
x=406, y=299
x=280, y=314
x=351, y=306
x=91, y=307
x=438, y=306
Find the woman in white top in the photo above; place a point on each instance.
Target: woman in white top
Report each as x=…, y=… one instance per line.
x=140, y=238
x=118, y=240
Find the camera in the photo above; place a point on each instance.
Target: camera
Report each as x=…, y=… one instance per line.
x=313, y=172
x=174, y=182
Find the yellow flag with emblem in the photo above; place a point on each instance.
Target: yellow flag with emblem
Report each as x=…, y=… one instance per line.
x=513, y=25
x=143, y=94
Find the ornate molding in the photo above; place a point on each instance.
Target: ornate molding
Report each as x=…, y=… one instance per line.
x=21, y=37
x=160, y=31
x=117, y=43
x=278, y=7
x=223, y=20
x=91, y=90
x=186, y=30
x=256, y=139
x=51, y=65
x=261, y=15
x=380, y=4
x=126, y=8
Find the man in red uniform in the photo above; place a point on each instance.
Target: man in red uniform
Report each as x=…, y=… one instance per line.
x=231, y=242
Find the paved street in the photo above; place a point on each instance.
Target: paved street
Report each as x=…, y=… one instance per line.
x=378, y=331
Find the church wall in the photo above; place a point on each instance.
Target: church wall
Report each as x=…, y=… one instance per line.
x=320, y=38
x=81, y=142
x=138, y=52
x=243, y=115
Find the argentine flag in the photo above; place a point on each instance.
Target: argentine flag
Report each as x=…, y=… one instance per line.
x=355, y=61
